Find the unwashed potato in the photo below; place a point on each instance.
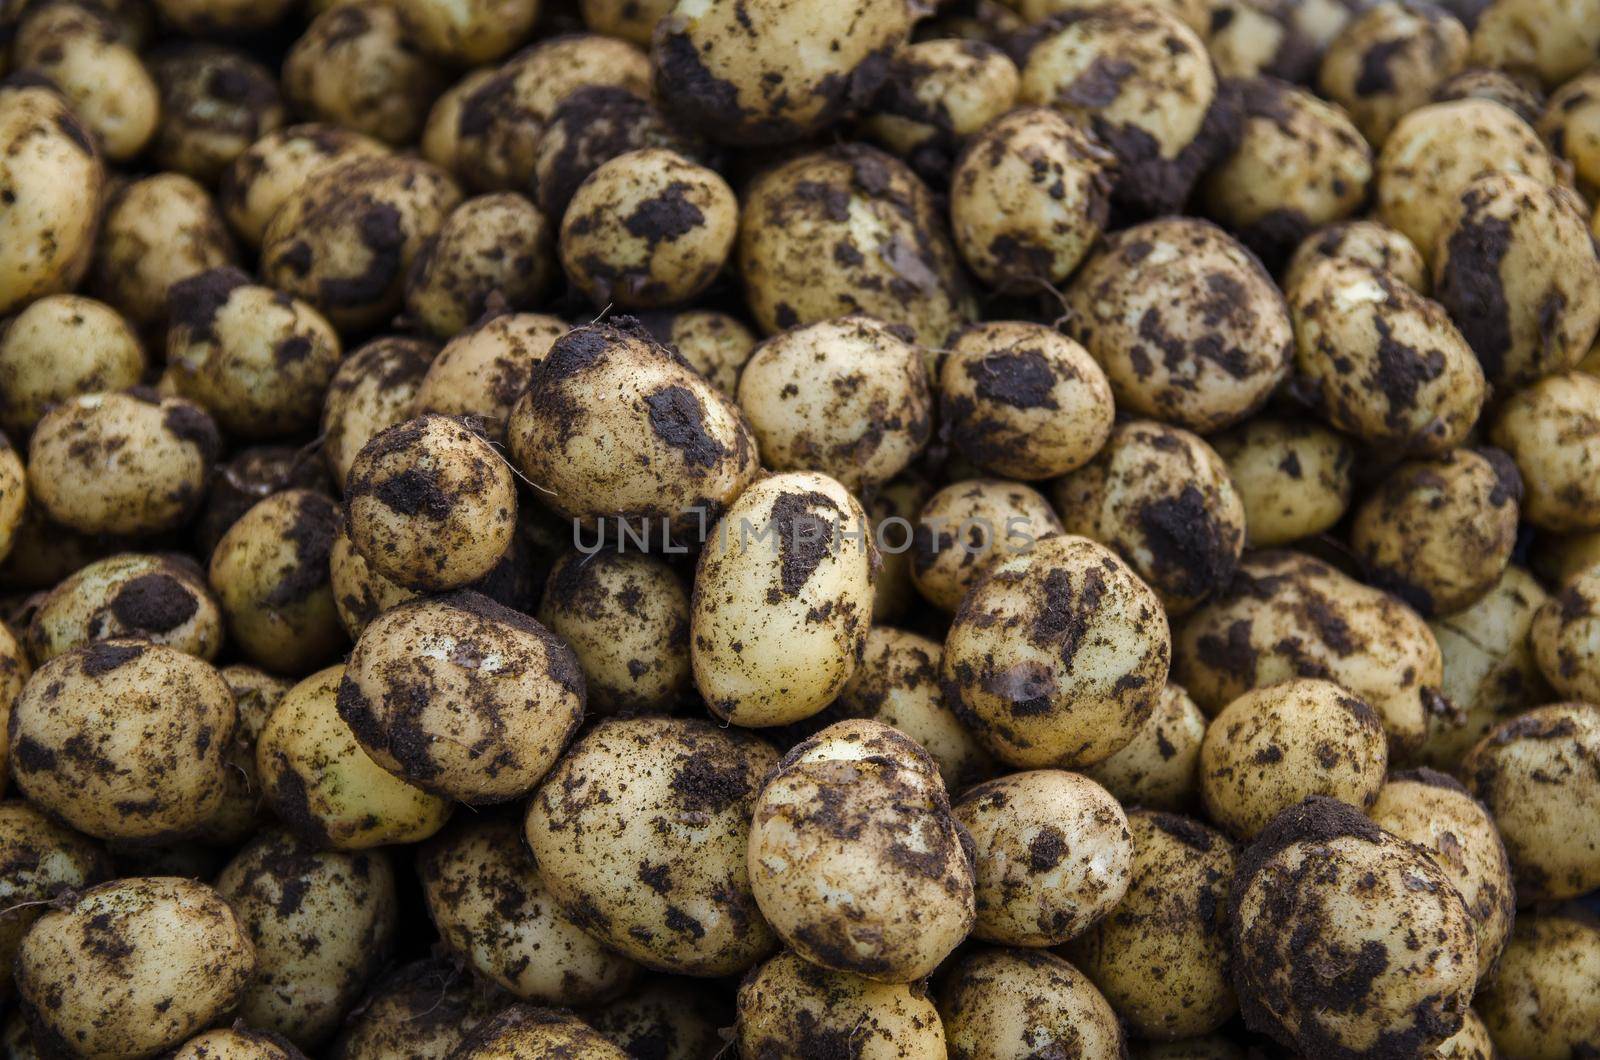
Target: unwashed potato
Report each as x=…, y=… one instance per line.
x=484, y=369
x=963, y=530
x=110, y=89
x=1566, y=638
x=374, y=388
x=1543, y=1002
x=715, y=344
x=238, y=1043
x=421, y=1010
x=1548, y=428
x=39, y=861
x=668, y=1018
x=215, y=103
x=252, y=475
x=255, y=695
x=1293, y=478
x=57, y=348
x=267, y=172
x=492, y=251
x=1007, y=1002
x=1366, y=242
x=155, y=232
x=937, y=94
x=164, y=600
x=1158, y=768
x=1551, y=41
x=790, y=1007
x=1388, y=60
x=469, y=34
x=520, y=1031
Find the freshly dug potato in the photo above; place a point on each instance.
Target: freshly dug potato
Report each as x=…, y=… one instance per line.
x=782, y=600
x=715, y=344
x=1174, y=918
x=1288, y=615
x=270, y=573
x=666, y=1019
x=1052, y=855
x=1007, y=1002
x=790, y=1008
x=491, y=250
x=493, y=910
x=1023, y=401
x=431, y=504
x=359, y=66
x=124, y=739
x=484, y=369
x=640, y=833
x=1436, y=813
x=1056, y=657
x=1186, y=323
x=614, y=425
x=469, y=34
x=164, y=600
x=215, y=103
x=1514, y=90
x=1534, y=774
x=14, y=672
x=267, y=172
x=421, y=1010
x=520, y=1031
x=252, y=475
x=626, y=618
x=1158, y=768
x=937, y=94
x=1365, y=242
x=74, y=48
x=1293, y=478
x=40, y=860
x=967, y=528
x=1566, y=638
x=60, y=347
x=13, y=495
x=830, y=864
x=238, y=1043
x=462, y=697
x=1543, y=1001
x=592, y=125
x=1549, y=430
x=255, y=695
x=890, y=511
x=53, y=168
x=846, y=397
x=133, y=967
x=1551, y=41
x=1328, y=907
x=324, y=787
x=849, y=230
x=1570, y=124
x=321, y=922
x=1389, y=59
x=43, y=552
x=374, y=388
x=155, y=232
x=122, y=463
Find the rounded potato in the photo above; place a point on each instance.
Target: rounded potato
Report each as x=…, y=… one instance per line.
x=1365, y=242
x=1005, y=1002
x=155, y=232
x=164, y=600
x=472, y=33
x=268, y=171
x=1293, y=478
x=57, y=348
x=237, y=1043
x=215, y=103
x=791, y=1008
x=590, y=126
x=1549, y=430
x=668, y=1018
x=1159, y=767
x=1543, y=1002
x=421, y=1010
x=493, y=250
x=358, y=66
x=255, y=695
x=1387, y=61
x=374, y=388
x=1566, y=638
x=938, y=93
x=484, y=369
x=520, y=1031
x=965, y=529
x=40, y=860
x=715, y=344
x=1548, y=40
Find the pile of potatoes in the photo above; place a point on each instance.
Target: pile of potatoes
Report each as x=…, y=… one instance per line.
x=800, y=530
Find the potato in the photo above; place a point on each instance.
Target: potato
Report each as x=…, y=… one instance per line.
x=237, y=1044
x=524, y=1031
x=57, y=348
x=593, y=124
x=849, y=230
x=1052, y=854
x=640, y=832
x=493, y=250
x=1365, y=242
x=41, y=861
x=421, y=1010
x=614, y=425
x=668, y=1018
x=1186, y=323
x=1158, y=768
x=967, y=528
x=251, y=476
x=1023, y=401
x=155, y=232
x=485, y=368
x=890, y=511
x=782, y=601
x=1288, y=615
x=1543, y=1002
x=43, y=552
x=1564, y=638
x=466, y=35
x=13, y=496
x=164, y=600
x=715, y=344
x=14, y=672
x=626, y=618
x=1057, y=656
x=937, y=94
x=845, y=397
x=132, y=968
x=76, y=50
x=1514, y=90
x=1005, y=1002
x=1550, y=41
x=358, y=66
x=255, y=695
x=215, y=103
x=53, y=168
x=830, y=864
x=124, y=739
x=431, y=504
x=267, y=172
x=284, y=891
x=492, y=908
x=790, y=1008
x=373, y=388
x=1328, y=907
x=1293, y=478
x=324, y=787
x=1533, y=775
x=1174, y=918
x=1387, y=61
x=1570, y=124
x=1548, y=428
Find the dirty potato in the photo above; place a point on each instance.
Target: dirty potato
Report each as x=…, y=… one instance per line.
x=164, y=600
x=493, y=250
x=1006, y=1002
x=790, y=1007
x=374, y=388
x=968, y=527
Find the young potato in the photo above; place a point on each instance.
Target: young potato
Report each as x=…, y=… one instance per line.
x=58, y=348
x=484, y=369
x=345, y=238
x=124, y=739
x=1159, y=767
x=1514, y=90
x=626, y=618
x=285, y=891
x=491, y=250
x=472, y=33
x=1052, y=855
x=1388, y=60
x=241, y=814
x=132, y=968
x=1293, y=478
x=1186, y=323
x=1570, y=124
x=1288, y=615
x=270, y=573
x=648, y=229
x=323, y=786
x=1437, y=814
x=373, y=389
x=252, y=475
x=1174, y=918
x=237, y=1044
x=790, y=1007
x=1517, y=268
x=462, y=697
x=666, y=1019
x=782, y=600
x=42, y=551
x=1006, y=1002
x=1057, y=656
x=1028, y=198
x=592, y=125
x=1328, y=906
x=715, y=344
x=967, y=528
x=49, y=162
x=155, y=232
x=40, y=860
x=493, y=910
x=614, y=425
x=849, y=230
x=13, y=496
x=890, y=512
x=267, y=172
x=1533, y=774
x=1548, y=40
x=215, y=103
x=431, y=504
x=1548, y=430
x=640, y=832
x=1439, y=533
x=257, y=360
x=74, y=47
x=1543, y=1002
x=1566, y=638
x=520, y=1031
x=421, y=1010
x=1023, y=401
x=1163, y=500
x=359, y=66
x=829, y=865
x=845, y=397
x=164, y=600
x=716, y=68
x=1365, y=242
